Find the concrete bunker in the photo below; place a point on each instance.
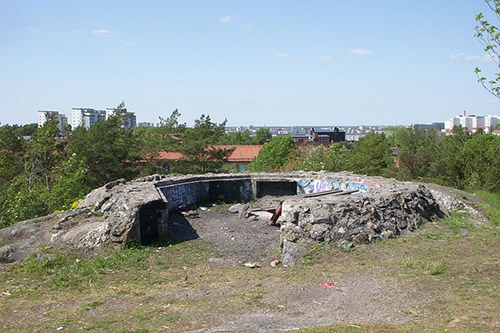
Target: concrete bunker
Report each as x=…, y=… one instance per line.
x=151, y=216
x=315, y=208
x=275, y=188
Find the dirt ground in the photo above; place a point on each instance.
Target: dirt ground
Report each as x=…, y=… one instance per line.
x=238, y=240
x=441, y=277
x=358, y=297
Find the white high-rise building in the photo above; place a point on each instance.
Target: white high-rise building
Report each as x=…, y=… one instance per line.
x=491, y=120
x=86, y=117
x=62, y=120
x=130, y=121
x=77, y=116
x=473, y=123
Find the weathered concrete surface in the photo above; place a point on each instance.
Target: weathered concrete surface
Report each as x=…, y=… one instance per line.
x=138, y=209
x=107, y=216
x=392, y=209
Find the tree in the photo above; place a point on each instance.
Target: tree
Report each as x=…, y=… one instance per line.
x=274, y=155
x=489, y=35
x=371, y=155
x=481, y=156
x=198, y=155
x=262, y=136
x=337, y=157
x=237, y=138
x=418, y=150
x=107, y=150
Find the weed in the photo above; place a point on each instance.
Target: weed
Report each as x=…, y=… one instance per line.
x=173, y=318
x=491, y=206
x=346, y=248
x=458, y=221
x=92, y=305
x=67, y=271
x=438, y=268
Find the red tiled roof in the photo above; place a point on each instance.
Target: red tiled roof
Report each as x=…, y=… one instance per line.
x=168, y=155
x=241, y=153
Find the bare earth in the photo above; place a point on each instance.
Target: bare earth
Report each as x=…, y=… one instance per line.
x=438, y=278
x=359, y=298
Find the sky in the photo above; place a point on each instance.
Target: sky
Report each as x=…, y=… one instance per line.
x=262, y=63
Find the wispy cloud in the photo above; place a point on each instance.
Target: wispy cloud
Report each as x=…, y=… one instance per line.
x=128, y=44
x=227, y=19
x=457, y=56
x=32, y=29
x=101, y=32
x=364, y=52
x=324, y=58
x=477, y=58
x=282, y=55
x=472, y=58
x=112, y=58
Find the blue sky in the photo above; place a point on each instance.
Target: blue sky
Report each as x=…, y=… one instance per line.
x=252, y=62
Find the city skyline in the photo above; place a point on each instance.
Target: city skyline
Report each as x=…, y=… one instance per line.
x=259, y=63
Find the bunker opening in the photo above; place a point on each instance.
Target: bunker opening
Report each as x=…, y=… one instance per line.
x=151, y=217
x=276, y=188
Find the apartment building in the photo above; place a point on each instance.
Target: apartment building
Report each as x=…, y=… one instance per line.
x=62, y=120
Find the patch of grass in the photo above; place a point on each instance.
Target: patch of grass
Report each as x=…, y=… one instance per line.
x=92, y=305
x=346, y=248
x=425, y=266
x=172, y=318
x=67, y=271
x=491, y=205
x=458, y=221
x=2, y=243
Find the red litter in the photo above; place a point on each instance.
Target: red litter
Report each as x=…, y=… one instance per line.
x=329, y=284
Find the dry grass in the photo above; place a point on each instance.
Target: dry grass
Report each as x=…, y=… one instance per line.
x=450, y=270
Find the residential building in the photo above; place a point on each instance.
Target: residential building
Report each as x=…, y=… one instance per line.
x=84, y=117
x=238, y=160
x=472, y=122
x=321, y=135
x=130, y=120
x=87, y=117
x=62, y=120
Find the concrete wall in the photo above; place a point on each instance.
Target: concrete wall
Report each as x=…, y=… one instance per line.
x=216, y=190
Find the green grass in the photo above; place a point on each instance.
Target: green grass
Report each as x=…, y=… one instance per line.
x=491, y=206
x=65, y=270
x=449, y=268
x=458, y=221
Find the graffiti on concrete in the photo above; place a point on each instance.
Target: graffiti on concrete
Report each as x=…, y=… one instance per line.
x=305, y=186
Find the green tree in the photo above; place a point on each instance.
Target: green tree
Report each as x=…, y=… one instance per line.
x=337, y=157
x=107, y=150
x=274, y=155
x=418, y=150
x=237, y=138
x=371, y=155
x=449, y=169
x=489, y=35
x=481, y=156
x=198, y=155
x=71, y=183
x=262, y=136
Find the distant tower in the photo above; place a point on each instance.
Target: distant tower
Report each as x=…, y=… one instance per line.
x=465, y=113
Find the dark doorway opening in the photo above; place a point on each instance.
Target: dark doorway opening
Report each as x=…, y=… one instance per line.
x=149, y=216
x=275, y=188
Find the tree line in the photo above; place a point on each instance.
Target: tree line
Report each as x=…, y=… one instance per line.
x=462, y=160
x=42, y=170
